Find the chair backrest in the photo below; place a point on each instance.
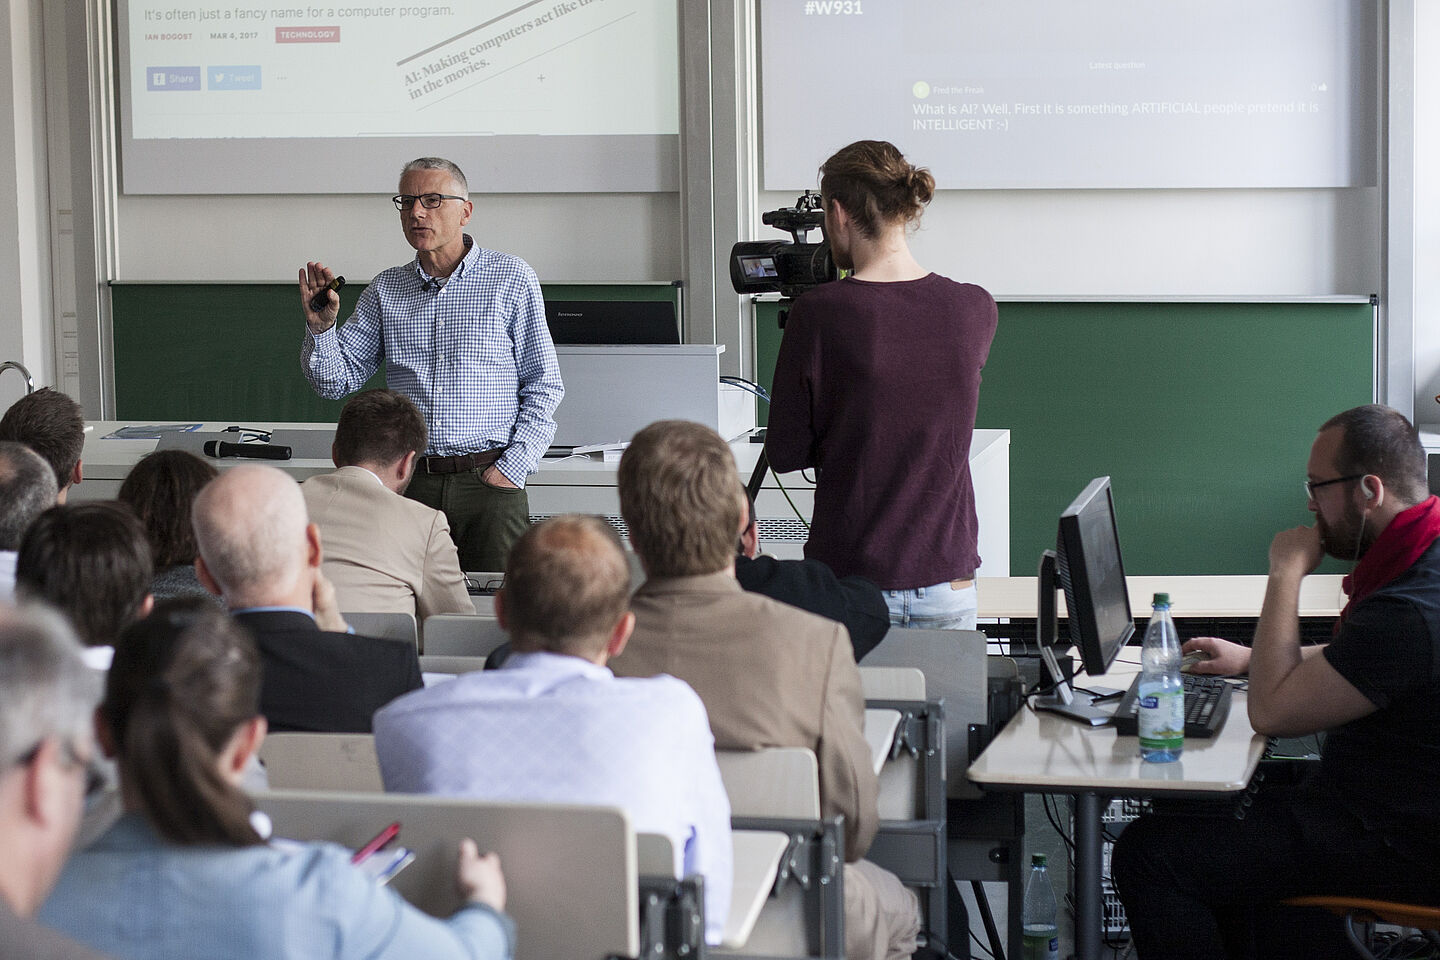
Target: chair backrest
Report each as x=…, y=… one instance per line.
x=461, y=635
x=774, y=782
x=322, y=761
x=655, y=855
x=570, y=871
x=389, y=626
x=443, y=664
x=954, y=665
x=892, y=683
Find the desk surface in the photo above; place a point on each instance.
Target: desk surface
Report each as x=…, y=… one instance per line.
x=1045, y=753
x=1218, y=596
x=880, y=727
x=756, y=860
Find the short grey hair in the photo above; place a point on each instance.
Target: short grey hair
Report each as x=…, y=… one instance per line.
x=46, y=690
x=27, y=489
x=439, y=163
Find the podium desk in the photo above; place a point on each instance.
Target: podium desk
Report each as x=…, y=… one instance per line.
x=1045, y=753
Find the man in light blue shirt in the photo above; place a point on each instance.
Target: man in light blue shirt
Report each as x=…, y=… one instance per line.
x=461, y=331
x=555, y=725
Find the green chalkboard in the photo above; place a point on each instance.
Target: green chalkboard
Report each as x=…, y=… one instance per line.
x=232, y=351
x=1201, y=413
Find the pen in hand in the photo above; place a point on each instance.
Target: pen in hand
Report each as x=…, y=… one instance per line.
x=377, y=844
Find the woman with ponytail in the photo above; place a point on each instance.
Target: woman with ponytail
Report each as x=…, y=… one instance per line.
x=876, y=386
x=187, y=872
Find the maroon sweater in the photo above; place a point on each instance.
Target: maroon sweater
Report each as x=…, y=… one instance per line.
x=875, y=387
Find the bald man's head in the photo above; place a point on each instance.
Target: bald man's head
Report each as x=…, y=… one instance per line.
x=250, y=525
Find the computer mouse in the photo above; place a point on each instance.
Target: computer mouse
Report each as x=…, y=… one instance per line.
x=1194, y=657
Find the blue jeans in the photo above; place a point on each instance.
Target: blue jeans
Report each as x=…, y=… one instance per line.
x=941, y=607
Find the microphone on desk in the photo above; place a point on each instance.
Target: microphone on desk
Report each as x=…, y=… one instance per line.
x=257, y=451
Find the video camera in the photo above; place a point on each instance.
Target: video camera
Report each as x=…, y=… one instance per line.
x=765, y=266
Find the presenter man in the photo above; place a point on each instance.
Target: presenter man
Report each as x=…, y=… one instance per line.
x=461, y=331
x=876, y=386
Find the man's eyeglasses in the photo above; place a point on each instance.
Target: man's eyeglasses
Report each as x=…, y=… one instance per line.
x=1312, y=485
x=429, y=201
x=94, y=778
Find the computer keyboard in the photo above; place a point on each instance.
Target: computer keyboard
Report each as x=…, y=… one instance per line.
x=1207, y=704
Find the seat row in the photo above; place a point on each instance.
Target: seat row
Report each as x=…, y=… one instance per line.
x=562, y=862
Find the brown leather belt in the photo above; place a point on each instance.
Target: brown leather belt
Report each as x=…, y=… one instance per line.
x=462, y=463
x=961, y=584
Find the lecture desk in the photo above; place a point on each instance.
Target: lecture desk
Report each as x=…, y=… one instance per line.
x=1045, y=753
x=1213, y=596
x=581, y=484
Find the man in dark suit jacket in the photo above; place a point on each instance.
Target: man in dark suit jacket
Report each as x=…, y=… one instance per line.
x=811, y=585
x=260, y=553
x=47, y=695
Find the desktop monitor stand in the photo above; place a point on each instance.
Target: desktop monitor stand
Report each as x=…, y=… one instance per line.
x=1064, y=700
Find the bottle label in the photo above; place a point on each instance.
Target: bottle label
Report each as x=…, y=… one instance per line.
x=1161, y=717
x=1040, y=942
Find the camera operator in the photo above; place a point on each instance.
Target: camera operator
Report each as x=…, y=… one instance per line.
x=876, y=387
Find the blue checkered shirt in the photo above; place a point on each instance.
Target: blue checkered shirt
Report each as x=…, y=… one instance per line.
x=474, y=354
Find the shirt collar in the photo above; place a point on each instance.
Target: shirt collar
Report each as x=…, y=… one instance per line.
x=275, y=609
x=472, y=253
x=556, y=665
x=350, y=468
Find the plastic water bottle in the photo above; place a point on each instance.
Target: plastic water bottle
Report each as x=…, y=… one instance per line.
x=1162, y=696
x=1041, y=940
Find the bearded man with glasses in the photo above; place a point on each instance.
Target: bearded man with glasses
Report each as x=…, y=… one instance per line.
x=47, y=698
x=461, y=332
x=1365, y=822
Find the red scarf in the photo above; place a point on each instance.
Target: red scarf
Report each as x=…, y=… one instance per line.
x=1393, y=552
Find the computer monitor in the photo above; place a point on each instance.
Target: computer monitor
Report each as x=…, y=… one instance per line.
x=612, y=321
x=1086, y=564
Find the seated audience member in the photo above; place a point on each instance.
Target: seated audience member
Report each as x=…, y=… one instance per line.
x=810, y=585
x=27, y=488
x=47, y=697
x=259, y=552
x=770, y=675
x=160, y=489
x=186, y=872
x=554, y=724
x=91, y=561
x=1366, y=823
x=52, y=425
x=383, y=552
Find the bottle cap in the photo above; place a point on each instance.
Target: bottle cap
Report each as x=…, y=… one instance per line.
x=1161, y=600
x=1037, y=859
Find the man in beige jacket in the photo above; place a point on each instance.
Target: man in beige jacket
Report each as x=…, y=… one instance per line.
x=383, y=552
x=770, y=675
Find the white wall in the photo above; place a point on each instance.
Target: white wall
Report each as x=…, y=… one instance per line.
x=1426, y=211
x=26, y=333
x=1162, y=243
x=1017, y=243
x=567, y=238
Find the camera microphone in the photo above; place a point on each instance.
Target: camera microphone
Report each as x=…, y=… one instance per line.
x=257, y=451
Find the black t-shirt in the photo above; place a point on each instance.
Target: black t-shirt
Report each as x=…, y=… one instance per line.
x=1386, y=766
